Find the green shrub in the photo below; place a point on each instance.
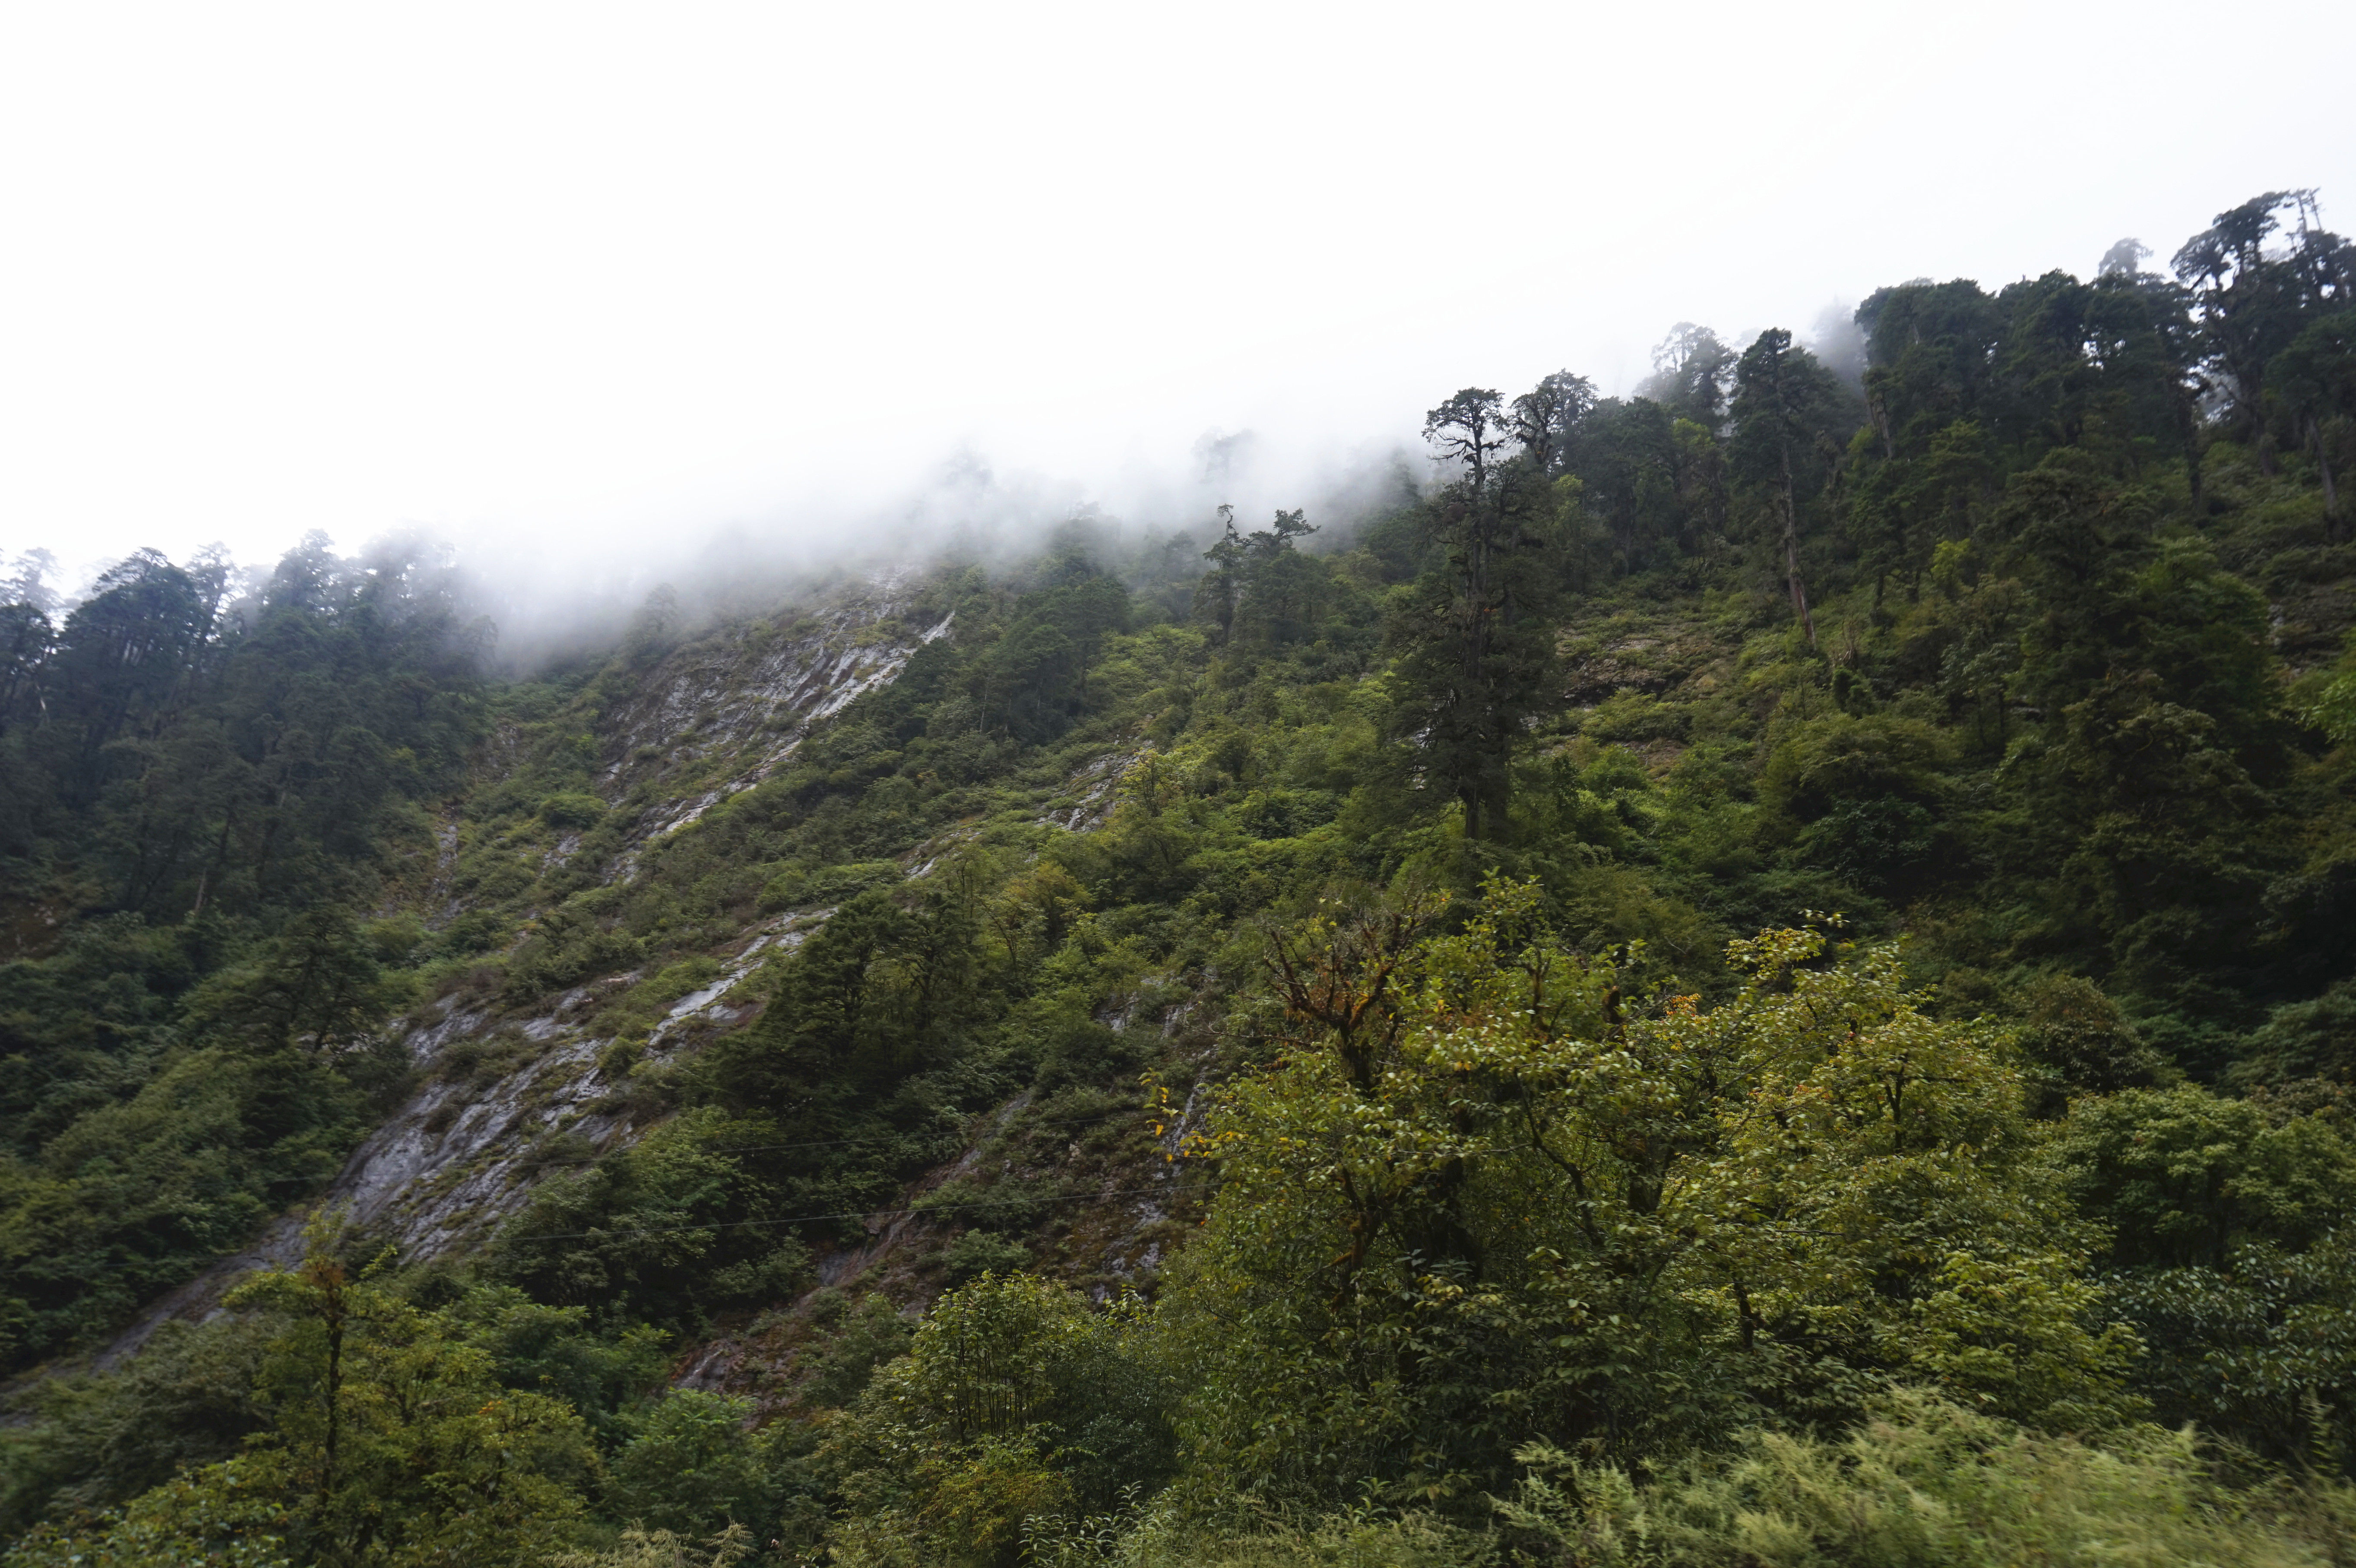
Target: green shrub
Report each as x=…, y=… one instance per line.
x=691, y=1465
x=978, y=1253
x=859, y=1340
x=641, y=1548
x=835, y=883
x=573, y=809
x=1928, y=1484
x=1629, y=715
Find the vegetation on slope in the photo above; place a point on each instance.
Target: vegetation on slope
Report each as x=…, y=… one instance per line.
x=1759, y=974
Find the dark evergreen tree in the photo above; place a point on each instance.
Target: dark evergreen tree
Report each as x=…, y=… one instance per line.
x=1476, y=645
x=1789, y=435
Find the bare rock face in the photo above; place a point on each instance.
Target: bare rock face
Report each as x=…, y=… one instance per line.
x=737, y=706
x=508, y=1097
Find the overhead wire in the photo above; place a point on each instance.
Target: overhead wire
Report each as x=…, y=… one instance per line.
x=910, y=1211
x=848, y=1143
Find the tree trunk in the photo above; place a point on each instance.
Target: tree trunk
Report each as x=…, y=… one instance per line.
x=2188, y=420
x=1473, y=670
x=2330, y=492
x=1791, y=552
x=335, y=1397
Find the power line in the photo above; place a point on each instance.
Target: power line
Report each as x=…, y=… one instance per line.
x=853, y=1214
x=843, y=1143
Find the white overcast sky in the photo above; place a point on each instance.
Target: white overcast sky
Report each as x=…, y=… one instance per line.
x=580, y=283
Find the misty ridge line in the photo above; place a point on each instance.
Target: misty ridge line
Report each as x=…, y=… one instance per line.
x=531, y=604
x=554, y=595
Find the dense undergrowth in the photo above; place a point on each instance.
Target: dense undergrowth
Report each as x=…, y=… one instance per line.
x=1760, y=972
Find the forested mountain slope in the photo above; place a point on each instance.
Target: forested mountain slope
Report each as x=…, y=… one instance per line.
x=1784, y=904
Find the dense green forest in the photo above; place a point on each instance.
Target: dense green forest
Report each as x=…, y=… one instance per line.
x=1762, y=972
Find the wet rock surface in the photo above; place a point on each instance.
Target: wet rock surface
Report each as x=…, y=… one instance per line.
x=508, y=1095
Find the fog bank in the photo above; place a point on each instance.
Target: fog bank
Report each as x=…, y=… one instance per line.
x=589, y=294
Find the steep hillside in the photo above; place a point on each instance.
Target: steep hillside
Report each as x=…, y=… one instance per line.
x=1741, y=943
x=515, y=1084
